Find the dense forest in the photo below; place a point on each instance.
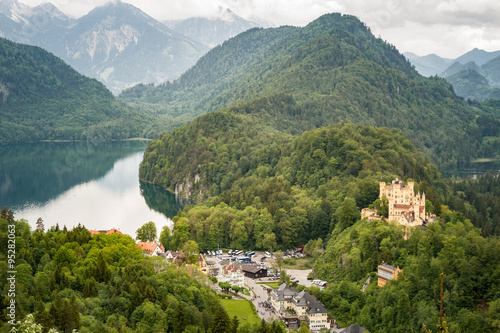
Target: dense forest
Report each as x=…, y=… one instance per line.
x=68, y=280
x=42, y=98
x=267, y=190
x=470, y=263
x=332, y=70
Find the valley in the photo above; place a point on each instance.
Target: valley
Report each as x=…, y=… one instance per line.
x=320, y=147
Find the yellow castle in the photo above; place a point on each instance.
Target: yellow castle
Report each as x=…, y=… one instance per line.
x=405, y=207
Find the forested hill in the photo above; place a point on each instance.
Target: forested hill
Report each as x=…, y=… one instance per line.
x=268, y=189
x=335, y=70
x=42, y=98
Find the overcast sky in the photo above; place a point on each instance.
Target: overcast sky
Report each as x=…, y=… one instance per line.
x=448, y=28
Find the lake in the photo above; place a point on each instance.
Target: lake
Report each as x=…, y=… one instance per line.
x=92, y=183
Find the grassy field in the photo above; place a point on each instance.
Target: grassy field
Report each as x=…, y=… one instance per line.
x=271, y=284
x=298, y=263
x=240, y=309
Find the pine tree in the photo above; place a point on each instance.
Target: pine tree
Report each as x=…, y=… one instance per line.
x=221, y=321
x=263, y=327
x=102, y=272
x=43, y=317
x=179, y=318
x=234, y=324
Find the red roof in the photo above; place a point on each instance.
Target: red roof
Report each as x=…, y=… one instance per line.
x=94, y=232
x=107, y=232
x=149, y=246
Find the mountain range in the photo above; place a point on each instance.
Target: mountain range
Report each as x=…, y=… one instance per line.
x=333, y=70
x=433, y=64
x=211, y=31
x=474, y=75
x=117, y=43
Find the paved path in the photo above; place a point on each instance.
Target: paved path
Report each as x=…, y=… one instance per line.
x=301, y=276
x=261, y=295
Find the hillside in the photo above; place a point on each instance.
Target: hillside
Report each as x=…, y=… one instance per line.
x=184, y=99
x=283, y=190
x=470, y=264
x=42, y=98
x=71, y=281
x=335, y=70
x=116, y=43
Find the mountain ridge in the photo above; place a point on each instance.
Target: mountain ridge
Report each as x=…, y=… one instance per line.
x=43, y=98
x=116, y=43
x=334, y=70
x=212, y=31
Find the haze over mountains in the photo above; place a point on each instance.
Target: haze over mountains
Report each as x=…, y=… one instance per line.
x=117, y=44
x=474, y=75
x=211, y=31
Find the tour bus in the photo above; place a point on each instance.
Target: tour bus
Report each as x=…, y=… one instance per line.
x=238, y=253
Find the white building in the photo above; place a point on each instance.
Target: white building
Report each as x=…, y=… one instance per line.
x=232, y=274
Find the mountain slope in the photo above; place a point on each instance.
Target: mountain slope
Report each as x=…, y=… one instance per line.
x=469, y=84
x=335, y=70
x=480, y=57
x=428, y=65
x=43, y=98
x=118, y=44
x=121, y=45
x=185, y=98
x=475, y=82
x=212, y=31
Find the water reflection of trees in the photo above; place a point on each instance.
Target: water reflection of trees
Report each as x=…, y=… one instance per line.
x=161, y=200
x=38, y=172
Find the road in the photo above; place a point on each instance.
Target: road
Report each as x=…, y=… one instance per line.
x=300, y=275
x=261, y=295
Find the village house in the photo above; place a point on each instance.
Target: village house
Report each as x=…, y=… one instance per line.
x=107, y=232
x=254, y=272
x=151, y=248
x=306, y=307
x=354, y=328
x=173, y=256
x=232, y=274
x=387, y=272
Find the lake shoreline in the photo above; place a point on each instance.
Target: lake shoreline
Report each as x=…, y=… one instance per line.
x=113, y=140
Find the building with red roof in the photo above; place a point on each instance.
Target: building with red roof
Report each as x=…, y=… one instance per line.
x=151, y=248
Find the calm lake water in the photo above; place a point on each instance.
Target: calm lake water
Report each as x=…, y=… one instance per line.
x=92, y=183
